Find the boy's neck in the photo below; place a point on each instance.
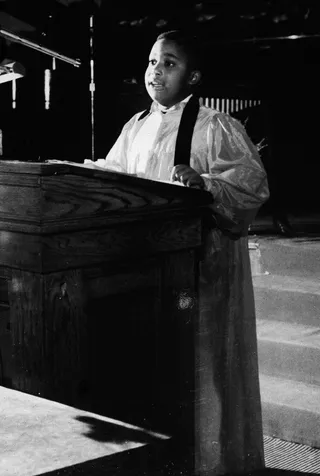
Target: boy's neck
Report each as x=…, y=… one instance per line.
x=167, y=108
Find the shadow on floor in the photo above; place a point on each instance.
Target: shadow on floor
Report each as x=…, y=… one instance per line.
x=104, y=431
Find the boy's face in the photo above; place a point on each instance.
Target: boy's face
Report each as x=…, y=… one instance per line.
x=168, y=77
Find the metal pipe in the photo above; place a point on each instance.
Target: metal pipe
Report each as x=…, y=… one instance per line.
x=35, y=46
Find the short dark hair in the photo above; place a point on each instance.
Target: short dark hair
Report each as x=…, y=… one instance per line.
x=188, y=43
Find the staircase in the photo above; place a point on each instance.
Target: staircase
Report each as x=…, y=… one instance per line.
x=286, y=278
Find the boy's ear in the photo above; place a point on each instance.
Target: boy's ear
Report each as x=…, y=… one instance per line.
x=195, y=78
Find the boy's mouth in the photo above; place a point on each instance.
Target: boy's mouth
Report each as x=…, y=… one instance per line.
x=156, y=85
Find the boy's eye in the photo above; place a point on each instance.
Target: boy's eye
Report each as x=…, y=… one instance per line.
x=167, y=63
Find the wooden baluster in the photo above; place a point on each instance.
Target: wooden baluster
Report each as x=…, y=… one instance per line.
x=14, y=94
x=47, y=84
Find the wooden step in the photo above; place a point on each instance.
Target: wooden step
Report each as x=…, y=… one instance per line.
x=289, y=257
x=287, y=350
x=290, y=410
x=287, y=298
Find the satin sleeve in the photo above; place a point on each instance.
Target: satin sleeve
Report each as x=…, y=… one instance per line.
x=116, y=158
x=236, y=176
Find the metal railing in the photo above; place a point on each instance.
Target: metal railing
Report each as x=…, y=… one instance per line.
x=229, y=105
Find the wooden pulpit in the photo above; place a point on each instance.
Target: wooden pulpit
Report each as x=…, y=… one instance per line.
x=99, y=292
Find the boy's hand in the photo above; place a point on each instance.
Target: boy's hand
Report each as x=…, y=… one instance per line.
x=186, y=175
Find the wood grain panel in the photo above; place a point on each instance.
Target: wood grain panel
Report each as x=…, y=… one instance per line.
x=46, y=198
x=66, y=335
x=102, y=283
x=26, y=297
x=19, y=179
x=51, y=253
x=121, y=243
x=48, y=253
x=20, y=202
x=77, y=196
x=48, y=325
x=20, y=251
x=96, y=192
x=28, y=168
x=6, y=367
x=95, y=222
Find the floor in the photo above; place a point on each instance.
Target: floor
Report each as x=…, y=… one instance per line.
x=39, y=436
x=291, y=457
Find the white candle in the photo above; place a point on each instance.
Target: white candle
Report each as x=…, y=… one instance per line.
x=14, y=93
x=47, y=78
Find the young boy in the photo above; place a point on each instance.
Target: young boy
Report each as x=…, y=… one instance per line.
x=224, y=162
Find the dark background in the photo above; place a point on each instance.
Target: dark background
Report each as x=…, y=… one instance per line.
x=247, y=54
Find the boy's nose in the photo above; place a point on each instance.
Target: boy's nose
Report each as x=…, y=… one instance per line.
x=157, y=69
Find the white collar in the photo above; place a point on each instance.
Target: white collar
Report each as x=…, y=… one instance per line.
x=155, y=106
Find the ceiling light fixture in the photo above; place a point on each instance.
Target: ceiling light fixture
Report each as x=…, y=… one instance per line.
x=11, y=70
